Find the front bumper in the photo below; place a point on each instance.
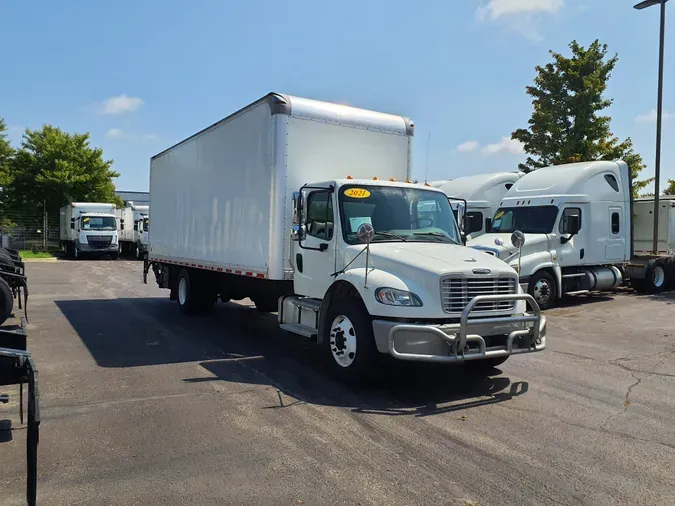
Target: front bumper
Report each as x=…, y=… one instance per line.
x=470, y=339
x=86, y=248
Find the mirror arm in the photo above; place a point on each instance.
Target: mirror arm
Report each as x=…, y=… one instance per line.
x=565, y=240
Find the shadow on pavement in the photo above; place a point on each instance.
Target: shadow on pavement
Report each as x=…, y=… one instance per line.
x=240, y=345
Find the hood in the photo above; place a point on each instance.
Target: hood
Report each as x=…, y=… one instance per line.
x=500, y=244
x=414, y=258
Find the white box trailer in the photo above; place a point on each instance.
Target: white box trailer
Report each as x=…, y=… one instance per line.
x=643, y=224
x=307, y=208
x=131, y=221
x=89, y=228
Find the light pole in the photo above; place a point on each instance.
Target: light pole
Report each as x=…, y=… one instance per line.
x=659, y=115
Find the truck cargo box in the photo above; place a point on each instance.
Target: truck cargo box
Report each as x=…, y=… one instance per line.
x=221, y=199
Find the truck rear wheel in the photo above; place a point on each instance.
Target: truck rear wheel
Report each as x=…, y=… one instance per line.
x=192, y=297
x=348, y=341
x=656, y=279
x=6, y=301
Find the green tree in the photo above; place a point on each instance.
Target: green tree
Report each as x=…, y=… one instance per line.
x=670, y=189
x=566, y=127
x=6, y=153
x=55, y=167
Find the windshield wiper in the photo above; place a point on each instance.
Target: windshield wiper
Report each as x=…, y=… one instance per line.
x=392, y=235
x=436, y=234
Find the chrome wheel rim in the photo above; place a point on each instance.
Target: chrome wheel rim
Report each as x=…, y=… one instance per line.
x=343, y=341
x=543, y=291
x=182, y=291
x=658, y=276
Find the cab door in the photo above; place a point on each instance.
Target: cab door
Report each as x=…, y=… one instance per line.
x=313, y=256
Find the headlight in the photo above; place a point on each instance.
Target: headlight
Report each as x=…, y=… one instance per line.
x=83, y=238
x=394, y=297
x=114, y=239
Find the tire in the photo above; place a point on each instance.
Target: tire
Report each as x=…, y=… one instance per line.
x=76, y=253
x=193, y=297
x=656, y=279
x=6, y=301
x=115, y=256
x=543, y=288
x=348, y=341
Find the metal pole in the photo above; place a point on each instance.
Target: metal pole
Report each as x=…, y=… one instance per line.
x=659, y=112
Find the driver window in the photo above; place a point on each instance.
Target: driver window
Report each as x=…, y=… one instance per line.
x=570, y=211
x=427, y=214
x=320, y=215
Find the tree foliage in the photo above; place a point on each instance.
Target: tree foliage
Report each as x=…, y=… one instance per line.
x=6, y=153
x=53, y=167
x=670, y=189
x=566, y=127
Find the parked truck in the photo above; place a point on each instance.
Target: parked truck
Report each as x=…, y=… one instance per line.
x=578, y=232
x=482, y=193
x=131, y=221
x=307, y=208
x=89, y=228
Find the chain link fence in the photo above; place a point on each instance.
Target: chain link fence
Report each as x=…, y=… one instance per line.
x=34, y=232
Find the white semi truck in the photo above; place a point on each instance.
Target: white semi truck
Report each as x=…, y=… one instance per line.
x=578, y=232
x=482, y=194
x=281, y=203
x=132, y=222
x=89, y=228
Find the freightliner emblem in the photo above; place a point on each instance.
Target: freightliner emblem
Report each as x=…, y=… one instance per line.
x=481, y=271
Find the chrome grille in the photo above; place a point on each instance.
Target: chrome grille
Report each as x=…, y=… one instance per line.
x=456, y=292
x=99, y=242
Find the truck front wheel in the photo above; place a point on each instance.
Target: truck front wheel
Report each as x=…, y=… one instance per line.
x=542, y=288
x=348, y=342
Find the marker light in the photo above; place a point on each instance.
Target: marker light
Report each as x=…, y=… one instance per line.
x=376, y=178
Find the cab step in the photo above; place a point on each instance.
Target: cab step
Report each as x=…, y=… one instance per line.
x=300, y=329
x=308, y=303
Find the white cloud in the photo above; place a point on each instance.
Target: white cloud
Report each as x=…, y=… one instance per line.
x=120, y=104
x=118, y=133
x=496, y=9
x=115, y=133
x=520, y=15
x=505, y=145
x=650, y=117
x=468, y=146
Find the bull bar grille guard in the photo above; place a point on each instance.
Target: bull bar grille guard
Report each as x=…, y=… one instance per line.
x=458, y=335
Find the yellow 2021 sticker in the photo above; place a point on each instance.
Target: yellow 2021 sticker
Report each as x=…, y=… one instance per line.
x=357, y=193
x=85, y=219
x=499, y=215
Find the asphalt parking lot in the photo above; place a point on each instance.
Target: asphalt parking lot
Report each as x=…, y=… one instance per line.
x=142, y=405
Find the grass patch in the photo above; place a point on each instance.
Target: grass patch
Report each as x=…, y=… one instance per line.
x=36, y=254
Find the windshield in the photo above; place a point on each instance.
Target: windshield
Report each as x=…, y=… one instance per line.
x=529, y=220
x=398, y=214
x=146, y=224
x=98, y=223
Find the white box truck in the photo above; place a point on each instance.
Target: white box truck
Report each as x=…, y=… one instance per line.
x=131, y=222
x=482, y=194
x=89, y=228
x=281, y=203
x=578, y=232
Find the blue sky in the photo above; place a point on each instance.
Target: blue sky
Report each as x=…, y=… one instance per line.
x=141, y=75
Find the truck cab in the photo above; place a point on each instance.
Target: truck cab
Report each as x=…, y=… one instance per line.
x=384, y=262
x=577, y=228
x=482, y=194
x=94, y=234
x=142, y=229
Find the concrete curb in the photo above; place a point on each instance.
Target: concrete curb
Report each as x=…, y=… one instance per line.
x=37, y=260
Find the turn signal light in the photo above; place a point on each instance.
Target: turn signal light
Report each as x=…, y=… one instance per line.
x=376, y=178
x=350, y=177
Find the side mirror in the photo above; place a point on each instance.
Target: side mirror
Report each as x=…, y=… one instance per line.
x=461, y=217
x=518, y=239
x=72, y=225
x=488, y=225
x=365, y=233
x=297, y=228
x=572, y=224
